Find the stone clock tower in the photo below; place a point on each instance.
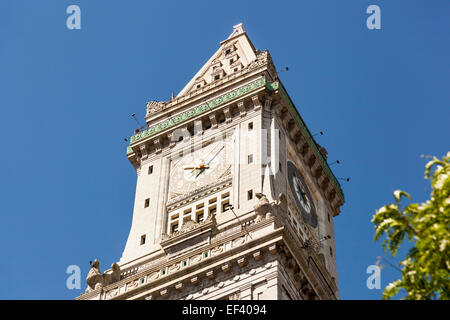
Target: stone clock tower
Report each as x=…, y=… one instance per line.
x=234, y=198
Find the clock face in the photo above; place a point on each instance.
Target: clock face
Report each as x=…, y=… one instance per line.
x=302, y=195
x=200, y=167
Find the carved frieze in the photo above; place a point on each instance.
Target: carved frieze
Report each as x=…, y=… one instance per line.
x=184, y=116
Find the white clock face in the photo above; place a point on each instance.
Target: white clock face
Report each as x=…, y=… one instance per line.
x=201, y=167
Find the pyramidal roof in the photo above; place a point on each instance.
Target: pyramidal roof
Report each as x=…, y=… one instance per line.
x=234, y=53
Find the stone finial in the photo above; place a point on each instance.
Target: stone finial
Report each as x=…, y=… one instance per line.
x=237, y=30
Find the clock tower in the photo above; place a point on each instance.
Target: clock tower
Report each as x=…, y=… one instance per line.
x=234, y=197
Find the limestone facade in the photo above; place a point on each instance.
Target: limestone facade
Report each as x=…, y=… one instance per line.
x=214, y=216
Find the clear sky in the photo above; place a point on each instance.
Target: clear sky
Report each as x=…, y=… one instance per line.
x=66, y=187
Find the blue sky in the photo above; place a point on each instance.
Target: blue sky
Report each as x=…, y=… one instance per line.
x=67, y=189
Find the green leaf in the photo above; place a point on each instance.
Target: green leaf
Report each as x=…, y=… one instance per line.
x=425, y=269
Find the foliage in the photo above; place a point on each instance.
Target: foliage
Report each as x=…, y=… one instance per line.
x=425, y=271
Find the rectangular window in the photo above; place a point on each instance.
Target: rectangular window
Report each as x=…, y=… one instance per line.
x=174, y=227
x=199, y=217
x=249, y=194
x=147, y=202
x=250, y=126
x=150, y=170
x=173, y=222
x=142, y=239
x=186, y=219
x=250, y=158
x=331, y=251
x=279, y=167
x=212, y=210
x=225, y=205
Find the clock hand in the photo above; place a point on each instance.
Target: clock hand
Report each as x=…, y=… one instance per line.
x=300, y=192
x=215, y=155
x=204, y=167
x=200, y=172
x=199, y=166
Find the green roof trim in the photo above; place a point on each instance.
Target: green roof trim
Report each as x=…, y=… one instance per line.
x=277, y=86
x=198, y=110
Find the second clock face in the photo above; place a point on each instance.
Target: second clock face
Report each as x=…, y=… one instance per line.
x=301, y=194
x=201, y=167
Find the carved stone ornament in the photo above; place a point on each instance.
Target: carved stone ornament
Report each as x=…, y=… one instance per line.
x=189, y=226
x=265, y=209
x=155, y=106
x=235, y=296
x=217, y=250
x=95, y=279
x=114, y=276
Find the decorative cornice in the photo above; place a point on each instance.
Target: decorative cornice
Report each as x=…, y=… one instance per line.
x=157, y=272
x=193, y=112
x=278, y=86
